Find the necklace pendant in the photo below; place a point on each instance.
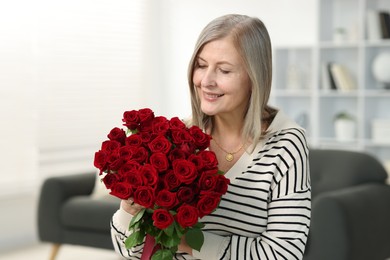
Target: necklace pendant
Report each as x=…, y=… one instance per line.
x=229, y=157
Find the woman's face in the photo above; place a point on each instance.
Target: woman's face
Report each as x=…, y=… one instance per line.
x=222, y=83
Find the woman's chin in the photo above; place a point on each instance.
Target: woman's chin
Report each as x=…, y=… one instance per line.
x=208, y=111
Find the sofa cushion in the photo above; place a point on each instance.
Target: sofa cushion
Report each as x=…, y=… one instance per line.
x=335, y=169
x=84, y=213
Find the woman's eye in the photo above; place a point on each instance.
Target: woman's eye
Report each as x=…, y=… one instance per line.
x=200, y=66
x=224, y=71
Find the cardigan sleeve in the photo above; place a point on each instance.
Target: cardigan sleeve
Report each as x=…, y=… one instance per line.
x=286, y=233
x=214, y=247
x=119, y=232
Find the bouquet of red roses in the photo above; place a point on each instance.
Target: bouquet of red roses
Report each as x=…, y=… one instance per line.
x=166, y=168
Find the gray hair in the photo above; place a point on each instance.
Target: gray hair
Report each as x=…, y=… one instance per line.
x=251, y=39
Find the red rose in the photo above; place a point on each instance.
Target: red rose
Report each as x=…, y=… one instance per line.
x=131, y=119
x=202, y=140
x=175, y=154
x=110, y=180
x=171, y=181
x=160, y=125
x=208, y=180
x=187, y=148
x=122, y=190
x=145, y=114
x=185, y=171
x=117, y=134
x=176, y=123
x=134, y=140
x=140, y=154
x=126, y=153
x=197, y=160
x=208, y=202
x=209, y=159
x=160, y=144
x=181, y=136
x=110, y=146
x=187, y=216
x=146, y=127
x=159, y=161
x=166, y=199
x=144, y=196
x=186, y=194
x=222, y=184
x=132, y=176
x=100, y=161
x=150, y=175
x=146, y=136
x=162, y=218
x=116, y=162
x=128, y=167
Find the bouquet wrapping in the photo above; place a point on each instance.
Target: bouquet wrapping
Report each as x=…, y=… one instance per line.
x=164, y=166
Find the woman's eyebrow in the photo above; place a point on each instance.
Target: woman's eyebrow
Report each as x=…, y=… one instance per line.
x=218, y=63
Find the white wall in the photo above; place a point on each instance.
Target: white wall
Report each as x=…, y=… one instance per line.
x=288, y=22
x=173, y=35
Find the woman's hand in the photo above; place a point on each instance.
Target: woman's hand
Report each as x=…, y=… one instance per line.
x=184, y=247
x=130, y=206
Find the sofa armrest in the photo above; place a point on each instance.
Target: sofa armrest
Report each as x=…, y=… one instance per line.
x=54, y=192
x=351, y=223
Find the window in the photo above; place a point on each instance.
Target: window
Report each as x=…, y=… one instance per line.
x=70, y=70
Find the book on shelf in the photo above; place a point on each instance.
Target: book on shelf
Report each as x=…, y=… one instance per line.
x=335, y=76
x=385, y=24
x=378, y=24
x=327, y=81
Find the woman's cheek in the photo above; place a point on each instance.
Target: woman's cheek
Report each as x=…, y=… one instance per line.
x=197, y=78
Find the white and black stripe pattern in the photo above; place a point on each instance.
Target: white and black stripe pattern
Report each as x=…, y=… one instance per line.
x=266, y=211
x=119, y=235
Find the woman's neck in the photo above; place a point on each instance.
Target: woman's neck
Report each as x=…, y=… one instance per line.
x=227, y=128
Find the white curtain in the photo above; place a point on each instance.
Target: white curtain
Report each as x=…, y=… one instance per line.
x=68, y=70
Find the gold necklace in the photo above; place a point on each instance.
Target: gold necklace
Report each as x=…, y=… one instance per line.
x=229, y=155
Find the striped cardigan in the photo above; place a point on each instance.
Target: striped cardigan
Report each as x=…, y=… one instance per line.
x=265, y=213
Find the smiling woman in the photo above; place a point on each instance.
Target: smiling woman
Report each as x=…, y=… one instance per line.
x=265, y=213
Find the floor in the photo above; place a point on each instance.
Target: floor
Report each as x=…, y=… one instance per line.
x=66, y=252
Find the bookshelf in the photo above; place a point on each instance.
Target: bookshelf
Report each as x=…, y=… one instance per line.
x=299, y=89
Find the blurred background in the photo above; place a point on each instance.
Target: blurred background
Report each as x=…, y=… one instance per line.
x=69, y=69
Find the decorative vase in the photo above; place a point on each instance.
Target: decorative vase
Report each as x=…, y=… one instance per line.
x=340, y=35
x=380, y=68
x=345, y=127
x=345, y=130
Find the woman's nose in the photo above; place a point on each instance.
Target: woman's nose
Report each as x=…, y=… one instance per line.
x=208, y=79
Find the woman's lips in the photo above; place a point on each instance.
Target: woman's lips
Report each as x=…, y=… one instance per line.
x=212, y=96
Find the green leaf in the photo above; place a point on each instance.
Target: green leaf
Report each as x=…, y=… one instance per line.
x=179, y=230
x=169, y=230
x=195, y=238
x=164, y=254
x=134, y=239
x=170, y=241
x=133, y=131
x=199, y=225
x=136, y=218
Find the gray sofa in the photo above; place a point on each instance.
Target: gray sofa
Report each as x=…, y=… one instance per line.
x=68, y=214
x=350, y=209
